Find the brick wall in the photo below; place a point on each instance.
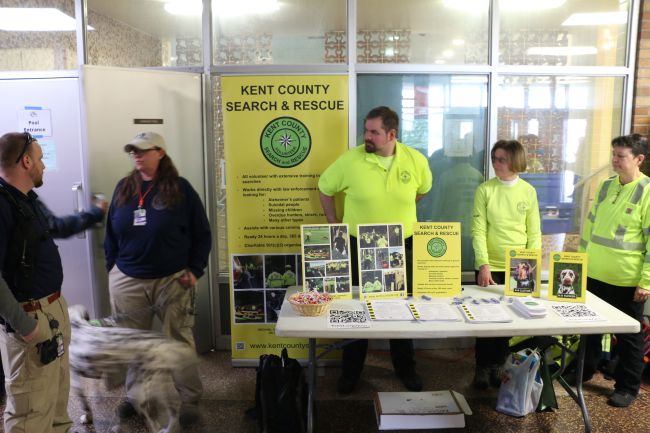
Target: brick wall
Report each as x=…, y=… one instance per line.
x=641, y=102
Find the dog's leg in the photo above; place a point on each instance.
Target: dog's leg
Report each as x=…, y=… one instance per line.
x=77, y=389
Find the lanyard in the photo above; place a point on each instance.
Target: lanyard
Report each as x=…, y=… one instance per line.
x=143, y=196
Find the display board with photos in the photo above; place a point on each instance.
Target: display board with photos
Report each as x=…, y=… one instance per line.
x=326, y=259
x=567, y=277
x=382, y=261
x=259, y=285
x=523, y=271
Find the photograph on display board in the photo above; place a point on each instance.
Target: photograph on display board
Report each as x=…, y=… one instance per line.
x=326, y=259
x=279, y=271
x=259, y=282
x=274, y=299
x=382, y=264
x=249, y=306
x=567, y=277
x=248, y=272
x=340, y=242
x=523, y=271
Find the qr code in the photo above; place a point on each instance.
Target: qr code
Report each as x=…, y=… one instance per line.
x=347, y=316
x=577, y=311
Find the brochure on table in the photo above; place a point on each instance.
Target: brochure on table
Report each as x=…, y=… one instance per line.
x=326, y=259
x=567, y=277
x=485, y=313
x=382, y=262
x=436, y=259
x=523, y=269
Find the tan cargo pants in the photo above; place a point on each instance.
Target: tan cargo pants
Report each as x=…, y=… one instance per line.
x=139, y=299
x=37, y=394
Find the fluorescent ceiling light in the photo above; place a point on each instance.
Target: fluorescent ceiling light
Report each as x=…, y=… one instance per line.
x=184, y=7
x=596, y=18
x=561, y=51
x=35, y=20
x=222, y=8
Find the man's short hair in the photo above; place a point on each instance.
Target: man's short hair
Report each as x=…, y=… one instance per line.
x=516, y=154
x=637, y=143
x=11, y=144
x=389, y=118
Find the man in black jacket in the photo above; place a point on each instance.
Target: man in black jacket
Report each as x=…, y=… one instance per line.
x=34, y=323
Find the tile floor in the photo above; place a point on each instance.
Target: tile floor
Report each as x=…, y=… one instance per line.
x=230, y=391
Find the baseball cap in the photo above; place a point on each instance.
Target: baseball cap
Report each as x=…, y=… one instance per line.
x=145, y=141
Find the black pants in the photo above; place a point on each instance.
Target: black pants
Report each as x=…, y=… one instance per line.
x=629, y=347
x=493, y=350
x=402, y=352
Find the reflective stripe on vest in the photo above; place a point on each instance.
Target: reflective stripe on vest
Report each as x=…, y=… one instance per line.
x=618, y=241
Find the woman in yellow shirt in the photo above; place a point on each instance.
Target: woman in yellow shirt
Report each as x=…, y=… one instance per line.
x=505, y=215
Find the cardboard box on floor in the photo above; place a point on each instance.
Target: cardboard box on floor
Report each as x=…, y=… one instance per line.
x=420, y=410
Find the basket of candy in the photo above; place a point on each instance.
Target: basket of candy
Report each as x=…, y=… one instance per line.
x=310, y=303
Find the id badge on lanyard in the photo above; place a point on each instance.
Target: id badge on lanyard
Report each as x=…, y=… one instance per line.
x=140, y=214
x=140, y=217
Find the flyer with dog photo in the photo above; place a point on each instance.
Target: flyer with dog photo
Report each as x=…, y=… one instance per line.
x=382, y=262
x=567, y=277
x=523, y=269
x=326, y=259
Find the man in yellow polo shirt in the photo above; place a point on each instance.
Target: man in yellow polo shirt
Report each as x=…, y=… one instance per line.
x=382, y=180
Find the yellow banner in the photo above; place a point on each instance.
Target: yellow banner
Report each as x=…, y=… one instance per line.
x=280, y=133
x=436, y=259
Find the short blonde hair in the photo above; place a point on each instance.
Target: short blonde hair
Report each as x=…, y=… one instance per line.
x=516, y=154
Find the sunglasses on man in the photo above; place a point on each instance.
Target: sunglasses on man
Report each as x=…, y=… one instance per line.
x=28, y=140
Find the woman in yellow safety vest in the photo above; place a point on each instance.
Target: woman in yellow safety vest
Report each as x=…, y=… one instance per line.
x=505, y=215
x=616, y=236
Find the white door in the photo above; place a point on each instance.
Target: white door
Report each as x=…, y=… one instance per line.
x=50, y=107
x=119, y=103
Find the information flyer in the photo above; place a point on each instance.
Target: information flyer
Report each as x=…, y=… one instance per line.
x=326, y=259
x=281, y=132
x=523, y=269
x=436, y=259
x=567, y=277
x=382, y=261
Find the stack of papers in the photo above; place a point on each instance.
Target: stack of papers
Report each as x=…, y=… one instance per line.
x=485, y=313
x=389, y=310
x=434, y=311
x=529, y=307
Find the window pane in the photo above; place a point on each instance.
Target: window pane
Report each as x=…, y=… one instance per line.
x=576, y=32
x=37, y=35
x=276, y=32
x=444, y=117
x=566, y=126
x=141, y=33
x=422, y=31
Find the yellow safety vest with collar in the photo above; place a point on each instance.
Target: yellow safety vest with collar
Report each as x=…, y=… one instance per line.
x=616, y=233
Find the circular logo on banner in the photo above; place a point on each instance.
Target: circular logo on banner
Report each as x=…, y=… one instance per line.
x=285, y=142
x=513, y=253
x=556, y=257
x=437, y=247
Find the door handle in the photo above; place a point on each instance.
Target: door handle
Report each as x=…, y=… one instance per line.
x=77, y=190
